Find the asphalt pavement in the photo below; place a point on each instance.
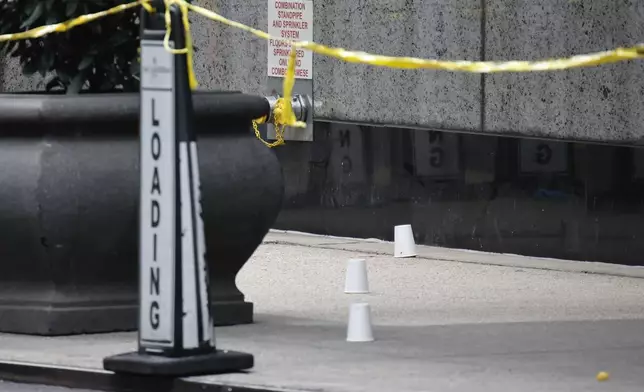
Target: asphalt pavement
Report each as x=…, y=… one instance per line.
x=13, y=387
x=451, y=323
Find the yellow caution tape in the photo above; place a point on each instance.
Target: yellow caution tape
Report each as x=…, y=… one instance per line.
x=188, y=50
x=286, y=117
x=584, y=60
x=70, y=24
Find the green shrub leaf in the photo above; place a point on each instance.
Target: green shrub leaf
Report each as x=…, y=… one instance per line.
x=71, y=8
x=86, y=62
x=77, y=83
x=97, y=56
x=37, y=13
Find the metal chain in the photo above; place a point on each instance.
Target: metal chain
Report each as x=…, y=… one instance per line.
x=279, y=133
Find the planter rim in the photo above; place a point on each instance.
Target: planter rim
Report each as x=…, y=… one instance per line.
x=87, y=108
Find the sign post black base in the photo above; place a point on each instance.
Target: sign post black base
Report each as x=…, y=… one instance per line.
x=176, y=338
x=220, y=361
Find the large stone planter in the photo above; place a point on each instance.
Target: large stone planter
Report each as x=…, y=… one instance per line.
x=69, y=188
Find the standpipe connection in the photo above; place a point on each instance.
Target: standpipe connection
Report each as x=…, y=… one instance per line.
x=302, y=106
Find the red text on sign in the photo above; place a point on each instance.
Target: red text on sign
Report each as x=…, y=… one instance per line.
x=281, y=71
x=290, y=34
x=287, y=52
x=289, y=5
x=289, y=21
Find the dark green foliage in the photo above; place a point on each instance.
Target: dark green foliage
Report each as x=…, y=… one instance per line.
x=100, y=56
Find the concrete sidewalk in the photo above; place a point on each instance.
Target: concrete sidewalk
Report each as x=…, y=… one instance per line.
x=440, y=325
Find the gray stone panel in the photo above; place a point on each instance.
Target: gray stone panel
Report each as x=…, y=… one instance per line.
x=228, y=58
x=12, y=79
x=600, y=104
x=231, y=59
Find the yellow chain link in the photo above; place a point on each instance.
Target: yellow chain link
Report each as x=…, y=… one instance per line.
x=278, y=123
x=279, y=134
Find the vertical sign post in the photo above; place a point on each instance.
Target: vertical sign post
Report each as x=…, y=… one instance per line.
x=176, y=336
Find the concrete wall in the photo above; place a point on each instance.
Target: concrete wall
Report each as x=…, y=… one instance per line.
x=349, y=92
x=12, y=79
x=598, y=104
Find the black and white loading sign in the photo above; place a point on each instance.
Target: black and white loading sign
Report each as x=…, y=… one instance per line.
x=165, y=231
x=158, y=200
x=176, y=336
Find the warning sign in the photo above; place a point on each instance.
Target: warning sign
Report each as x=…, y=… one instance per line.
x=291, y=21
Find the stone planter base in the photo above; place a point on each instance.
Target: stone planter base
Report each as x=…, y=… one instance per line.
x=69, y=208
